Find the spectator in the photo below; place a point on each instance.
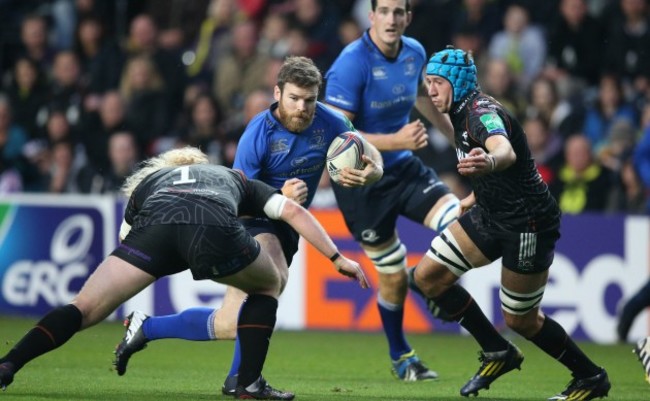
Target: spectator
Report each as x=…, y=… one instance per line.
x=66, y=92
x=213, y=40
x=123, y=154
x=204, y=129
x=27, y=94
x=34, y=41
x=575, y=44
x=273, y=38
x=641, y=156
x=424, y=15
x=142, y=89
x=561, y=116
x=241, y=70
x=349, y=31
x=100, y=58
x=256, y=102
x=479, y=16
x=12, y=141
x=98, y=127
x=499, y=83
x=10, y=179
x=143, y=41
x=618, y=145
x=60, y=169
x=610, y=106
x=520, y=44
x=582, y=185
x=545, y=147
x=628, y=41
x=319, y=20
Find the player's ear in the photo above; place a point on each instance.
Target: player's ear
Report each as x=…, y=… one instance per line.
x=277, y=93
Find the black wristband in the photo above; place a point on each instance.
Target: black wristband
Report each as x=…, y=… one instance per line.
x=335, y=256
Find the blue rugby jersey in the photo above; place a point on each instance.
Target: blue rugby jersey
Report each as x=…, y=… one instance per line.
x=379, y=91
x=267, y=151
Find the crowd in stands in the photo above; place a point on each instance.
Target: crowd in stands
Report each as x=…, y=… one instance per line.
x=88, y=88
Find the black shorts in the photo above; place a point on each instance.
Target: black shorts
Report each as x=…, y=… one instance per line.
x=287, y=236
x=410, y=189
x=210, y=252
x=524, y=253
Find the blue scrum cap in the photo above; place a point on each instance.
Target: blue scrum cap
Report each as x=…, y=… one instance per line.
x=457, y=67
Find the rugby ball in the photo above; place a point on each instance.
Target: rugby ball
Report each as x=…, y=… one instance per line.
x=345, y=151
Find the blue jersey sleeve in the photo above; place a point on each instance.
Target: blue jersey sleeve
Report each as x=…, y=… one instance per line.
x=346, y=80
x=251, y=149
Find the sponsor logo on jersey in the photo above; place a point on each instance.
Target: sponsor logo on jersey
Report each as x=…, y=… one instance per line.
x=299, y=161
x=379, y=73
x=317, y=141
x=398, y=89
x=339, y=100
x=369, y=235
x=464, y=135
x=409, y=69
x=279, y=146
x=492, y=123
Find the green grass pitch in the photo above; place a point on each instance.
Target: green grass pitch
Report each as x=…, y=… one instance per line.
x=318, y=366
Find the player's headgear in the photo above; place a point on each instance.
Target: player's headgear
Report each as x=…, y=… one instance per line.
x=457, y=67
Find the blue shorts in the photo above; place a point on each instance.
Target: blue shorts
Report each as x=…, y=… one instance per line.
x=409, y=189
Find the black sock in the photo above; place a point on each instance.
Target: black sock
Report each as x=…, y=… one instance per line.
x=461, y=307
x=254, y=330
x=52, y=331
x=555, y=341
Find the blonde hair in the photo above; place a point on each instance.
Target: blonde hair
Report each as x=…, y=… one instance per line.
x=172, y=158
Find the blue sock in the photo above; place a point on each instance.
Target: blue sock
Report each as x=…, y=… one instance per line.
x=195, y=324
x=392, y=317
x=236, y=359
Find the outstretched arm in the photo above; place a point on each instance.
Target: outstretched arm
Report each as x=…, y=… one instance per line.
x=309, y=228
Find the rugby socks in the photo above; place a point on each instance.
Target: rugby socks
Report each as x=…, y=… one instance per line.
x=194, y=324
x=236, y=359
x=461, y=307
x=254, y=329
x=555, y=341
x=52, y=331
x=392, y=318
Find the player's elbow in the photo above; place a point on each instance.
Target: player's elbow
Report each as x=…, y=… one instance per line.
x=291, y=211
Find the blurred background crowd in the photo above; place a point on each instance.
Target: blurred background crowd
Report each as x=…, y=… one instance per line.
x=88, y=88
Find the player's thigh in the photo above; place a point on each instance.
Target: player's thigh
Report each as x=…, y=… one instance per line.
x=259, y=277
x=270, y=243
x=425, y=198
x=451, y=254
x=113, y=282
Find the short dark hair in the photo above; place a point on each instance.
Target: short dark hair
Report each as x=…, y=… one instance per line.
x=300, y=71
x=373, y=5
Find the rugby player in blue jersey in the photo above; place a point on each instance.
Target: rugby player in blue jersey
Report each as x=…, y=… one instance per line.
x=375, y=82
x=285, y=147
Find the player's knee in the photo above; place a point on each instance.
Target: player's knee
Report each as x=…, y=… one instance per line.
x=445, y=250
x=521, y=310
x=391, y=259
x=431, y=284
x=445, y=215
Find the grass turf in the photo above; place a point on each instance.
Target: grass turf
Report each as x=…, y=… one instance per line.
x=318, y=366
